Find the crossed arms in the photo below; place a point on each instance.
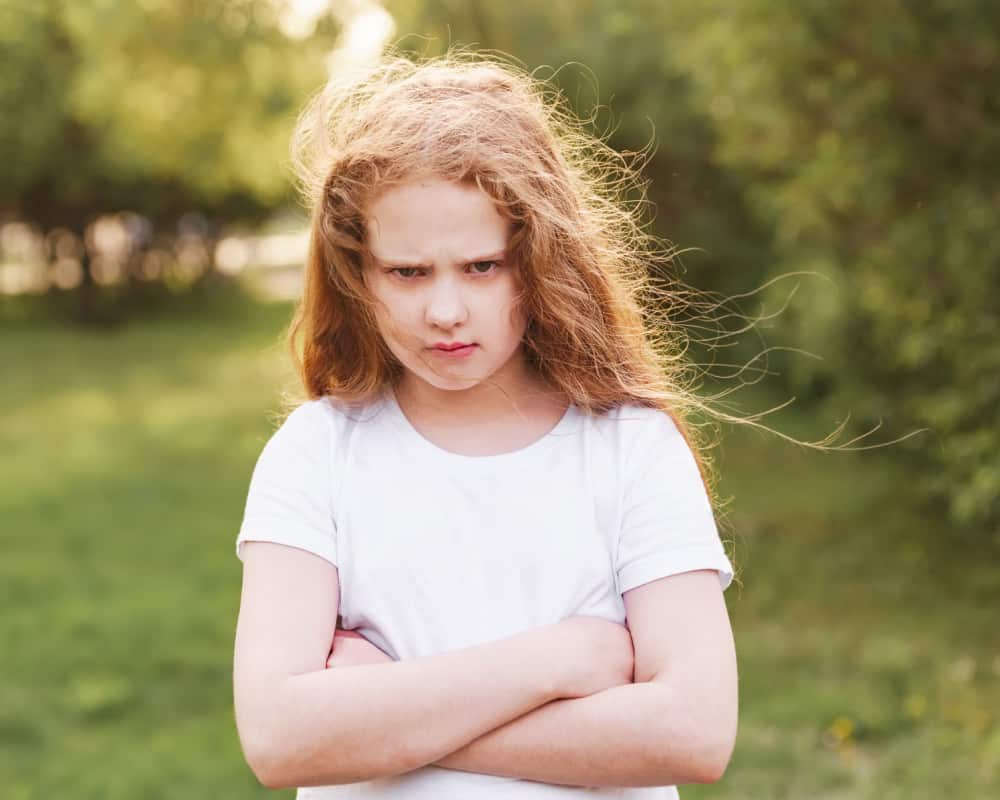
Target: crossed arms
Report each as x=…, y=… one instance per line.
x=529, y=706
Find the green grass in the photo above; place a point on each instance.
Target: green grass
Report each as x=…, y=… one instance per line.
x=869, y=660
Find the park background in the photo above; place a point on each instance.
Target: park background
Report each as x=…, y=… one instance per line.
x=829, y=166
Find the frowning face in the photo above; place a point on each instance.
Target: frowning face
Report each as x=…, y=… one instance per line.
x=441, y=275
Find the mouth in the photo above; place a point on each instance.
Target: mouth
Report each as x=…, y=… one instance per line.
x=453, y=347
x=455, y=350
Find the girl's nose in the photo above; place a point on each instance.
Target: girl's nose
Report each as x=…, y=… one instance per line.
x=445, y=306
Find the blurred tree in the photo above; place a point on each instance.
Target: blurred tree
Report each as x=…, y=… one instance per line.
x=869, y=136
x=159, y=108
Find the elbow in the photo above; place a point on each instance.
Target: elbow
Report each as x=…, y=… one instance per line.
x=710, y=771
x=269, y=777
x=699, y=752
x=265, y=761
x=274, y=780
x=716, y=753
x=270, y=747
x=693, y=758
x=266, y=745
x=280, y=762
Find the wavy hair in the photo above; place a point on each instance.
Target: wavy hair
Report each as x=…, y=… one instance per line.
x=596, y=284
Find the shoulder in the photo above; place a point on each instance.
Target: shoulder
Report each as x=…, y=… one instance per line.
x=310, y=443
x=314, y=431
x=637, y=416
x=322, y=415
x=302, y=426
x=635, y=427
x=648, y=444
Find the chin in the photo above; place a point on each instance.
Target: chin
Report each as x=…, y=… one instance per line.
x=453, y=385
x=447, y=383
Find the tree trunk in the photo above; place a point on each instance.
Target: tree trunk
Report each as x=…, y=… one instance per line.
x=86, y=307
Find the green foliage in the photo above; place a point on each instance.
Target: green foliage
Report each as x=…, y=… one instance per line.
x=155, y=107
x=868, y=666
x=33, y=96
x=869, y=138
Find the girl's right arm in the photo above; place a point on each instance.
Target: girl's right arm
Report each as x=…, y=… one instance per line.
x=301, y=724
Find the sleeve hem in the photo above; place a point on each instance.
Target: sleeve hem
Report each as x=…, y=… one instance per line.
x=280, y=532
x=662, y=565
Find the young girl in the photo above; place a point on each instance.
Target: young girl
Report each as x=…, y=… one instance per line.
x=490, y=482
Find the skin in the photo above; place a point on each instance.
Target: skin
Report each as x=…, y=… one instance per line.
x=439, y=272
x=351, y=649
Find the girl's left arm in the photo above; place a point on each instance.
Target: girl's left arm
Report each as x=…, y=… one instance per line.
x=676, y=724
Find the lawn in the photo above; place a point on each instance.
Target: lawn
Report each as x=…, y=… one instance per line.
x=867, y=637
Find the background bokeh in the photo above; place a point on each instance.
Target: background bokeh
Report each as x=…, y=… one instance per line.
x=831, y=166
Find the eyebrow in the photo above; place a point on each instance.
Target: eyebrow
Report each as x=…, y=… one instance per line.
x=497, y=255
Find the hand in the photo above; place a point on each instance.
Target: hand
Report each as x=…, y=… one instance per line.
x=596, y=654
x=352, y=649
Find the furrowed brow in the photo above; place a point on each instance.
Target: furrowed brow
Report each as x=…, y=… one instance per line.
x=497, y=255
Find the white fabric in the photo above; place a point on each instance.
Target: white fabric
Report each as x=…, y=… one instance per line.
x=438, y=551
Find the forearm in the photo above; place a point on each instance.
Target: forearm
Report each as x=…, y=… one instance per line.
x=632, y=735
x=362, y=722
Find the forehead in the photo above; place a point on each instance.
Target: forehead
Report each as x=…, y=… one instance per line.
x=433, y=218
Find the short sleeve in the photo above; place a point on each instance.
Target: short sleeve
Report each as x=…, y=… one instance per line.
x=667, y=522
x=289, y=501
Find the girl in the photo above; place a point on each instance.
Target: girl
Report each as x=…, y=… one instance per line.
x=490, y=482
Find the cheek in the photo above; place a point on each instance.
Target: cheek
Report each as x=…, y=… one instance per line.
x=515, y=322
x=506, y=305
x=515, y=315
x=395, y=320
x=388, y=308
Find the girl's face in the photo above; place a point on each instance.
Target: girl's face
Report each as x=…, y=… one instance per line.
x=440, y=274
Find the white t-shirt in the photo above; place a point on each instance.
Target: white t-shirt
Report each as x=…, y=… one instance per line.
x=438, y=551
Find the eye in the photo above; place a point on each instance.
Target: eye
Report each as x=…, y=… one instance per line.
x=476, y=264
x=400, y=270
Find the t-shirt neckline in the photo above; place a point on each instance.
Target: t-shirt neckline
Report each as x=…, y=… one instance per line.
x=433, y=451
